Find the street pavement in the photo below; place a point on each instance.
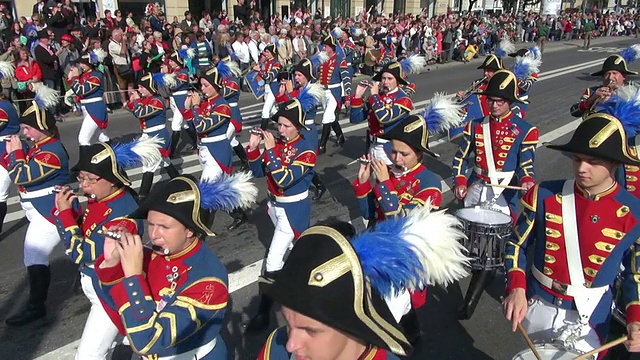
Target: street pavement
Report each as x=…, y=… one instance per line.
x=564, y=76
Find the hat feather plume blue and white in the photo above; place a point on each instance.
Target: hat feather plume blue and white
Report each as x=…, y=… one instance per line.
x=46, y=97
x=227, y=69
x=442, y=113
x=413, y=64
x=631, y=54
x=228, y=192
x=337, y=33
x=188, y=53
x=505, y=47
x=318, y=59
x=400, y=254
x=525, y=66
x=141, y=151
x=535, y=51
x=625, y=106
x=356, y=32
x=7, y=70
x=96, y=56
x=164, y=80
x=310, y=96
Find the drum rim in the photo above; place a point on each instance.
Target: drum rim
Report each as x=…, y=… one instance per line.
x=543, y=346
x=507, y=219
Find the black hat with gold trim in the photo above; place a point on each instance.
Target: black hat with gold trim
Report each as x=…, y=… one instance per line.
x=329, y=40
x=619, y=62
x=342, y=280
x=109, y=162
x=491, y=62
x=184, y=198
x=394, y=68
x=600, y=135
x=305, y=67
x=503, y=84
x=296, y=109
x=494, y=62
x=272, y=48
x=38, y=115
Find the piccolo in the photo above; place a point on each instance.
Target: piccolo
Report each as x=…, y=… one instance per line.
x=117, y=236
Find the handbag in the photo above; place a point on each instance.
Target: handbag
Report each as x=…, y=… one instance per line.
x=124, y=70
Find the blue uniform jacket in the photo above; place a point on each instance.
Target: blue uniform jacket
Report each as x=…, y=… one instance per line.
x=9, y=122
x=152, y=115
x=211, y=120
x=88, y=88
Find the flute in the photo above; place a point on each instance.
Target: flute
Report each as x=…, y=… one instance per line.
x=117, y=236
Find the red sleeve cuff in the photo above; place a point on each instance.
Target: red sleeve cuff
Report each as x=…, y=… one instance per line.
x=67, y=218
x=633, y=313
x=526, y=179
x=361, y=189
x=109, y=275
x=254, y=154
x=517, y=279
x=282, y=98
x=461, y=180
x=356, y=101
x=376, y=189
x=583, y=106
x=130, y=105
x=119, y=291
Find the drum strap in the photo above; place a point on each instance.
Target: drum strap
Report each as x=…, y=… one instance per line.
x=496, y=177
x=586, y=299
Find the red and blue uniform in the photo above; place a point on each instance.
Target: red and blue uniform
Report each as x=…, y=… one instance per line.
x=231, y=93
x=88, y=89
x=310, y=133
x=582, y=107
x=152, y=115
x=338, y=82
x=269, y=74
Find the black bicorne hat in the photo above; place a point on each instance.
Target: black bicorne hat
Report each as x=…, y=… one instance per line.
x=330, y=41
x=292, y=110
x=324, y=280
x=179, y=198
x=176, y=58
x=99, y=159
x=305, y=67
x=521, y=52
x=394, y=68
x=147, y=81
x=413, y=131
x=491, y=62
x=213, y=77
x=504, y=84
x=272, y=48
x=602, y=136
x=614, y=62
x=38, y=118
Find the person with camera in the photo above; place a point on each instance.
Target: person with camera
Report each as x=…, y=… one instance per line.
x=119, y=52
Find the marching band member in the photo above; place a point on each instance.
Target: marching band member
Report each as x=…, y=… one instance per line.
x=172, y=296
x=349, y=47
x=614, y=73
x=230, y=72
x=387, y=106
x=342, y=314
x=86, y=83
x=9, y=126
x=211, y=118
x=269, y=72
x=179, y=89
x=37, y=171
x=526, y=69
x=103, y=180
x=504, y=145
x=303, y=74
x=334, y=76
x=149, y=108
x=581, y=232
x=288, y=164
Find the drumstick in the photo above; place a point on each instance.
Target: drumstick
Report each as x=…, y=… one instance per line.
x=604, y=347
x=511, y=187
x=529, y=342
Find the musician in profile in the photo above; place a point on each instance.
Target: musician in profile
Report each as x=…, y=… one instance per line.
x=269, y=71
x=581, y=231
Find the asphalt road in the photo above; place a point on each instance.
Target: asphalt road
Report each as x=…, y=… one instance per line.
x=564, y=75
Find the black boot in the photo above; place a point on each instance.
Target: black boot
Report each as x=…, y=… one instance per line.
x=175, y=138
x=145, y=186
x=411, y=326
x=339, y=134
x=3, y=213
x=242, y=155
x=324, y=137
x=239, y=218
x=39, y=280
x=171, y=170
x=264, y=124
x=193, y=136
x=261, y=320
x=320, y=188
x=479, y=281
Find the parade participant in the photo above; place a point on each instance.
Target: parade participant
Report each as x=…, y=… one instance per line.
x=614, y=72
x=269, y=71
x=103, y=180
x=179, y=90
x=149, y=108
x=526, y=69
x=303, y=74
x=86, y=83
x=342, y=314
x=9, y=126
x=211, y=118
x=288, y=164
x=347, y=44
x=504, y=145
x=172, y=295
x=334, y=76
x=581, y=231
x=37, y=171
x=387, y=106
x=230, y=71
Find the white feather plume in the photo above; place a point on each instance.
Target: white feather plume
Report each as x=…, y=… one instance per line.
x=234, y=68
x=322, y=57
x=505, y=47
x=337, y=32
x=525, y=66
x=7, y=69
x=99, y=54
x=46, y=97
x=191, y=53
x=357, y=32
x=437, y=236
x=246, y=188
x=170, y=80
x=414, y=64
x=442, y=113
x=148, y=150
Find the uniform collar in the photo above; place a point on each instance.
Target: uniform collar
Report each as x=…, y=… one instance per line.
x=502, y=118
x=605, y=194
x=392, y=92
x=117, y=194
x=292, y=140
x=44, y=141
x=188, y=251
x=214, y=97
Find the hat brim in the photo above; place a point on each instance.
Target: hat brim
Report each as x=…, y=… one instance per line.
x=568, y=148
x=510, y=98
x=626, y=72
x=378, y=77
x=149, y=204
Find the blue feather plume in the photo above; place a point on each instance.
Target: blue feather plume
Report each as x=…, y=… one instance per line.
x=631, y=54
x=141, y=151
x=228, y=192
x=228, y=69
x=413, y=64
x=125, y=157
x=625, y=106
x=535, y=51
x=310, y=96
x=46, y=97
x=30, y=31
x=526, y=66
x=505, y=47
x=158, y=79
x=318, y=59
x=442, y=113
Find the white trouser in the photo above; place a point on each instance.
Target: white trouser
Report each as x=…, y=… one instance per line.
x=399, y=304
x=5, y=182
x=544, y=322
x=329, y=104
x=99, y=332
x=211, y=170
x=231, y=135
x=41, y=237
x=282, y=239
x=177, y=120
x=479, y=193
x=269, y=101
x=88, y=130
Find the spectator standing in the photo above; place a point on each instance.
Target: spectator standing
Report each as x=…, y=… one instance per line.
x=242, y=11
x=254, y=50
x=187, y=22
x=543, y=34
x=588, y=27
x=285, y=48
x=241, y=50
x=27, y=72
x=47, y=60
x=202, y=59
x=121, y=62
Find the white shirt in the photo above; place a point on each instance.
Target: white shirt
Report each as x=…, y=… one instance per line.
x=254, y=51
x=242, y=51
x=115, y=50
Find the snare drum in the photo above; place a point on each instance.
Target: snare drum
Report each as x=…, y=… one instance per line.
x=548, y=352
x=487, y=232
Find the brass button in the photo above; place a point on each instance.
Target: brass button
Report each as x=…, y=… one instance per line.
x=141, y=311
x=549, y=216
x=318, y=276
x=549, y=231
x=559, y=302
x=608, y=247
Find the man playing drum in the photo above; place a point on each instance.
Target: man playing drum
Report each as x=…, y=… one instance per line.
x=586, y=228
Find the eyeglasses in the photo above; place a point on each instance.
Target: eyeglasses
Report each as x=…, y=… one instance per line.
x=88, y=181
x=498, y=102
